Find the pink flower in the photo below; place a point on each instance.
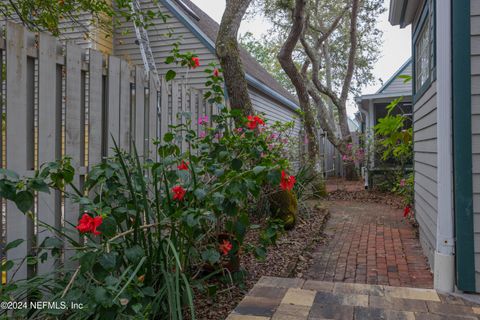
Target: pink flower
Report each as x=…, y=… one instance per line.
x=270, y=147
x=203, y=120
x=349, y=146
x=215, y=72
x=402, y=183
x=262, y=155
x=218, y=135
x=344, y=158
x=239, y=130
x=202, y=134
x=274, y=136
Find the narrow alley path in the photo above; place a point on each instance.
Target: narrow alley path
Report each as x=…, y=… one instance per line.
x=370, y=243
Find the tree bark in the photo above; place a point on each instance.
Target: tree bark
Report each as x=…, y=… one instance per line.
x=286, y=61
x=228, y=53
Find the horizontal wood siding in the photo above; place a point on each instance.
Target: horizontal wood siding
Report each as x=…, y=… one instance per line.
x=162, y=36
x=425, y=163
x=273, y=111
x=475, y=70
x=398, y=84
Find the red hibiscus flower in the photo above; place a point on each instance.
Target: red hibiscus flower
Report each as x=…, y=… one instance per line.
x=183, y=166
x=225, y=247
x=406, y=211
x=87, y=224
x=254, y=122
x=287, y=182
x=178, y=193
x=196, y=62
x=216, y=72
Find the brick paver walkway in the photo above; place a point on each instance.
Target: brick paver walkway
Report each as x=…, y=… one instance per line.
x=370, y=243
x=297, y=299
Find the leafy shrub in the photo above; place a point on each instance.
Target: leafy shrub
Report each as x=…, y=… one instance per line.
x=150, y=230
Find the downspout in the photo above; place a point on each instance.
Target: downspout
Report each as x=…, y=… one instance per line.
x=367, y=133
x=444, y=266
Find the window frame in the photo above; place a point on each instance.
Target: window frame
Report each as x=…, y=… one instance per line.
x=427, y=16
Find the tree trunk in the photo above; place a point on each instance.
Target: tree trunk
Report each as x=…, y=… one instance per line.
x=288, y=65
x=228, y=53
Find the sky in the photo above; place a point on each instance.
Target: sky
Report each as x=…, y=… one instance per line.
x=396, y=47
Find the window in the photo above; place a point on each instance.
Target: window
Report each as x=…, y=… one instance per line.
x=424, y=49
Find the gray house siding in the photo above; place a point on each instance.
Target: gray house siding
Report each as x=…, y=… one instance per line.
x=161, y=44
x=475, y=70
x=425, y=164
x=398, y=85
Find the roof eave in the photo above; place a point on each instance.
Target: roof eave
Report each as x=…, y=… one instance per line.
x=402, y=12
x=211, y=46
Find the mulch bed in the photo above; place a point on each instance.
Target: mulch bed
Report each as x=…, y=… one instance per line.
x=371, y=196
x=289, y=257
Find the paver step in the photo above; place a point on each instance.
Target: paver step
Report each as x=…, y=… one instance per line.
x=297, y=299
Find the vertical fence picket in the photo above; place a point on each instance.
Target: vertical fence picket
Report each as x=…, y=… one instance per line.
x=18, y=141
x=73, y=135
x=164, y=108
x=193, y=109
x=174, y=103
x=139, y=111
x=183, y=117
x=152, y=117
x=96, y=138
x=113, y=128
x=49, y=135
x=125, y=106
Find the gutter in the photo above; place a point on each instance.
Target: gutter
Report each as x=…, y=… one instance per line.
x=211, y=47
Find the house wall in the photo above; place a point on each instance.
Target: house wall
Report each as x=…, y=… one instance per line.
x=163, y=35
x=425, y=168
x=398, y=85
x=475, y=68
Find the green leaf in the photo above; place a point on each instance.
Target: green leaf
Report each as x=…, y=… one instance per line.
x=200, y=194
x=24, y=201
x=108, y=260
x=39, y=185
x=274, y=177
x=260, y=253
x=13, y=244
x=169, y=60
x=9, y=173
x=7, y=265
x=168, y=137
x=87, y=261
x=134, y=254
x=258, y=169
x=101, y=295
x=237, y=164
x=211, y=256
x=170, y=75
x=108, y=226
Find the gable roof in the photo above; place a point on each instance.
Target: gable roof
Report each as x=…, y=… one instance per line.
x=396, y=84
x=206, y=29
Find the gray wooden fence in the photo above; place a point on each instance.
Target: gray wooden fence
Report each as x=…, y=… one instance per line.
x=59, y=100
